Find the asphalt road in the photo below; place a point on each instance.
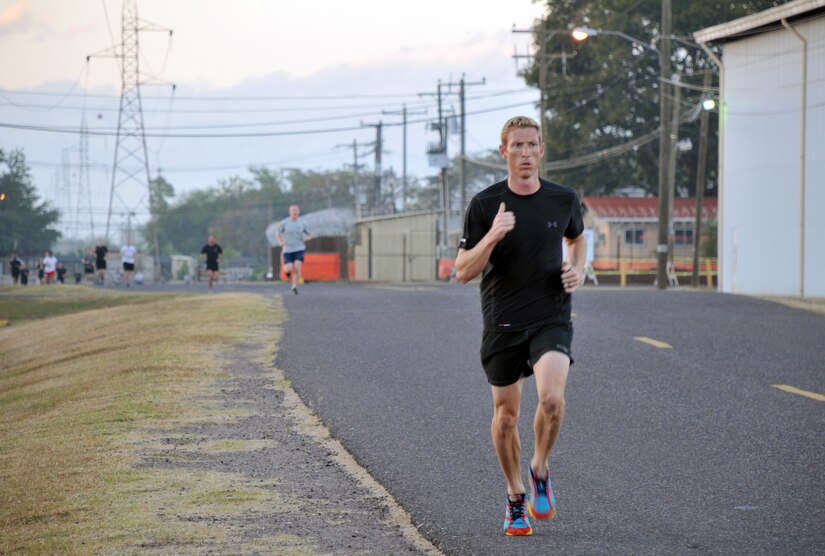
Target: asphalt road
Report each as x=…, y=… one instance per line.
x=687, y=450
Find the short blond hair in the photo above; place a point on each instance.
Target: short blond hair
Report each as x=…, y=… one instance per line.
x=517, y=122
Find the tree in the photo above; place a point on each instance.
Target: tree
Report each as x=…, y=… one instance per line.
x=161, y=191
x=607, y=91
x=26, y=223
x=236, y=210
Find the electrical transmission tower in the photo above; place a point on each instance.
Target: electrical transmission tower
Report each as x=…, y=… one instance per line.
x=84, y=188
x=130, y=174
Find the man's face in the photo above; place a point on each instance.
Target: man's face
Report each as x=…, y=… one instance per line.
x=294, y=212
x=522, y=152
x=211, y=240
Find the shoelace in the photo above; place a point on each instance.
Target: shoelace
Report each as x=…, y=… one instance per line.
x=541, y=486
x=516, y=509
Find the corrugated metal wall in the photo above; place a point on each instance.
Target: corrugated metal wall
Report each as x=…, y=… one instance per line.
x=760, y=243
x=397, y=249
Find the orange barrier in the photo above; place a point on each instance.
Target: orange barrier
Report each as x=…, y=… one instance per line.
x=319, y=267
x=651, y=265
x=445, y=268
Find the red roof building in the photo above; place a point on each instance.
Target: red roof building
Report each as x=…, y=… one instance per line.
x=627, y=228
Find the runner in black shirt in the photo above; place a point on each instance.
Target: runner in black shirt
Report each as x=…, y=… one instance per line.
x=513, y=234
x=15, y=264
x=100, y=261
x=88, y=262
x=213, y=253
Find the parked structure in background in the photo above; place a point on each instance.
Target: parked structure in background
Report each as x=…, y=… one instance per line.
x=772, y=150
x=626, y=228
x=399, y=248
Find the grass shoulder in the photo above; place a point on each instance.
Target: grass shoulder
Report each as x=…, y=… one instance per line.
x=24, y=304
x=78, y=392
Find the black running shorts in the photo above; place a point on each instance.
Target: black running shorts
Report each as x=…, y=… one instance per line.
x=508, y=356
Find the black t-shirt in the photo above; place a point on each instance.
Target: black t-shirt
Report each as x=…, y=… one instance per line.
x=100, y=254
x=212, y=252
x=521, y=285
x=15, y=263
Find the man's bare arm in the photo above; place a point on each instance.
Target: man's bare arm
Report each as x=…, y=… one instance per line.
x=470, y=262
x=573, y=269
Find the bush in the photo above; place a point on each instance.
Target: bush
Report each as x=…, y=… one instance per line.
x=183, y=272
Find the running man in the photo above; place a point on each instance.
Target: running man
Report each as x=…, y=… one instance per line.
x=213, y=254
x=100, y=261
x=15, y=264
x=127, y=254
x=513, y=236
x=292, y=235
x=49, y=267
x=88, y=262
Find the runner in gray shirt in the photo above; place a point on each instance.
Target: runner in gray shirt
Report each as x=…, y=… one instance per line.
x=292, y=235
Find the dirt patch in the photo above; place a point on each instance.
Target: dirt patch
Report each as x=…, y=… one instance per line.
x=300, y=491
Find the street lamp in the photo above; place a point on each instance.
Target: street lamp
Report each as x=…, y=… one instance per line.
x=666, y=141
x=583, y=33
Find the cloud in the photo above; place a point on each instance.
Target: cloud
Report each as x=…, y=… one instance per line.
x=14, y=18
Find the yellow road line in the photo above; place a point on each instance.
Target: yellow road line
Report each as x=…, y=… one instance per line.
x=654, y=343
x=792, y=390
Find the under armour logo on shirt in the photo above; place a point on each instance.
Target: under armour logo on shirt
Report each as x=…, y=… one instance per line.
x=553, y=224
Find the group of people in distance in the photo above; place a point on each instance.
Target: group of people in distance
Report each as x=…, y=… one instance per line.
x=291, y=236
x=94, y=262
x=49, y=270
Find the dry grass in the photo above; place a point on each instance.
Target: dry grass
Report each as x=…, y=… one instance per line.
x=80, y=392
x=19, y=305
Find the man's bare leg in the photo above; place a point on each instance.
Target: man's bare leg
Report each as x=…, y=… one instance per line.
x=296, y=274
x=504, y=431
x=551, y=378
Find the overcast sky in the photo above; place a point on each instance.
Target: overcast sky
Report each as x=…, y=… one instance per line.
x=255, y=69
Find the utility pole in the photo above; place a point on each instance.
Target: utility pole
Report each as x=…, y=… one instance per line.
x=700, y=185
x=665, y=148
x=375, y=200
x=437, y=154
x=355, y=189
x=542, y=58
x=441, y=151
x=404, y=113
x=131, y=163
x=445, y=208
x=676, y=105
x=463, y=162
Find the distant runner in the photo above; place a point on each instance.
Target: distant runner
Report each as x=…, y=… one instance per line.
x=213, y=254
x=49, y=267
x=100, y=261
x=292, y=235
x=128, y=253
x=15, y=264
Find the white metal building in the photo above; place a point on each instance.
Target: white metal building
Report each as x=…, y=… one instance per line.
x=772, y=150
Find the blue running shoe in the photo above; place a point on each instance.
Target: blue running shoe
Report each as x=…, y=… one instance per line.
x=541, y=504
x=516, y=522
